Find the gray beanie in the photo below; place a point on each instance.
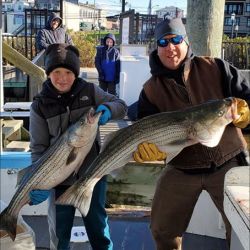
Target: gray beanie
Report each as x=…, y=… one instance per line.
x=62, y=55
x=170, y=26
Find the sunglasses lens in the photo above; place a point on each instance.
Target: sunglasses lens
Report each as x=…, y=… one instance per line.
x=176, y=40
x=162, y=43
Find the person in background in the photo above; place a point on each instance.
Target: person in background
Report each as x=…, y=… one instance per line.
x=179, y=80
x=63, y=99
x=52, y=33
x=107, y=63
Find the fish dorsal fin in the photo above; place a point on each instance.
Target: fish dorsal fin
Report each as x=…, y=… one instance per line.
x=23, y=172
x=108, y=138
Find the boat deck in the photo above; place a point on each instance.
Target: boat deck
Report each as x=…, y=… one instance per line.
x=127, y=234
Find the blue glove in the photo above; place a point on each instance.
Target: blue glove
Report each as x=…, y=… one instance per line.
x=38, y=196
x=106, y=114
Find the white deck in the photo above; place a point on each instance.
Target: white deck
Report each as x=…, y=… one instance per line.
x=236, y=204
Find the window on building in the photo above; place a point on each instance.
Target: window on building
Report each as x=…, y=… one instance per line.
x=248, y=22
x=18, y=19
x=236, y=8
x=248, y=7
x=228, y=21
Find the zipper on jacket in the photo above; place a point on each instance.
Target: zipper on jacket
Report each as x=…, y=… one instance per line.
x=69, y=114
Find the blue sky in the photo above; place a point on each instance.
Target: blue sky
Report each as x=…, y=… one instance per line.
x=114, y=6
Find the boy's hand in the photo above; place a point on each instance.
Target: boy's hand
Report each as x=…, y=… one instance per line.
x=106, y=114
x=38, y=196
x=148, y=152
x=242, y=110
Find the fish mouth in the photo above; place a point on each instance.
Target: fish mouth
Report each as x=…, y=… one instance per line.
x=209, y=134
x=92, y=116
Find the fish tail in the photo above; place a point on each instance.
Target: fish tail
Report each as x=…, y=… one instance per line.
x=8, y=223
x=79, y=197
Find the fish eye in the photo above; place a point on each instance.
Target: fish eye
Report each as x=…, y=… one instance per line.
x=221, y=113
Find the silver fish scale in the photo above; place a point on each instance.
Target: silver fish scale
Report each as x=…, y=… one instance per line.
x=158, y=130
x=55, y=156
x=58, y=159
x=175, y=130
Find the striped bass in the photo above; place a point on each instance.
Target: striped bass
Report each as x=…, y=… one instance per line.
x=170, y=131
x=58, y=162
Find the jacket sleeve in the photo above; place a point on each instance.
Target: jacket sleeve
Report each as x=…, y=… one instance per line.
x=41, y=40
x=117, y=106
x=98, y=63
x=236, y=83
x=39, y=135
x=145, y=107
x=68, y=39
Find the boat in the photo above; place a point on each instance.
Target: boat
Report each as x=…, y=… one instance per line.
x=129, y=195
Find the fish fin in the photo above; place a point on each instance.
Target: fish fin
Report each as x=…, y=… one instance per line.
x=120, y=167
x=8, y=223
x=72, y=156
x=107, y=139
x=171, y=151
x=21, y=173
x=116, y=172
x=78, y=197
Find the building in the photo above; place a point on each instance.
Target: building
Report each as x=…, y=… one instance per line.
x=237, y=18
x=76, y=16
x=170, y=11
x=13, y=14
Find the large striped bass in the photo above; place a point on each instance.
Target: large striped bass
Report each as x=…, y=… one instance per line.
x=57, y=163
x=171, y=131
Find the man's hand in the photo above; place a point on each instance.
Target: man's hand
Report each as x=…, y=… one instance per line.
x=244, y=114
x=148, y=152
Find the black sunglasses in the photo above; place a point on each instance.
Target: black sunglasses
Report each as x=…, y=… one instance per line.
x=174, y=40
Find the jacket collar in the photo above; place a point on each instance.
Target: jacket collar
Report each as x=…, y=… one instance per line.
x=158, y=69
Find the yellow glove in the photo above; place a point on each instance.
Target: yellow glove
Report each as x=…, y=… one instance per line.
x=148, y=152
x=243, y=111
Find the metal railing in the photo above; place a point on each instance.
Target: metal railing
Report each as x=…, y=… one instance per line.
x=237, y=53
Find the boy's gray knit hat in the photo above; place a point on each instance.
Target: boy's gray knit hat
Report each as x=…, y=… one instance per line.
x=170, y=26
x=62, y=55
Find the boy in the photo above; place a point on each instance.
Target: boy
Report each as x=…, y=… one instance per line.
x=63, y=99
x=107, y=62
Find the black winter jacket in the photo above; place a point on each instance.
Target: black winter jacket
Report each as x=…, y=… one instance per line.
x=51, y=114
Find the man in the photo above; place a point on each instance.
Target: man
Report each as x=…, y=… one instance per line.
x=107, y=63
x=52, y=33
x=63, y=100
x=180, y=79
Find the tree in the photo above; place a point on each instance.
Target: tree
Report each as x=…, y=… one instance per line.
x=205, y=20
